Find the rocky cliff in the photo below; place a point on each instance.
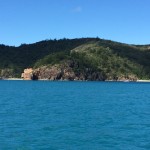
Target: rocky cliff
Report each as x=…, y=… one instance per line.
x=6, y=73
x=63, y=71
x=68, y=71
x=27, y=74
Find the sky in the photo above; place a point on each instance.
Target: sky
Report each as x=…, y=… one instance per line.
x=30, y=21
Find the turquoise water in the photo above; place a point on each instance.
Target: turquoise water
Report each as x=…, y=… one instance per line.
x=45, y=115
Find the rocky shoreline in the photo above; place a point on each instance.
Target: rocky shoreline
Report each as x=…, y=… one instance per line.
x=69, y=71
x=55, y=73
x=20, y=79
x=63, y=71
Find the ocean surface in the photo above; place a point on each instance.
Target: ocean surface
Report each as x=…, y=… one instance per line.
x=48, y=115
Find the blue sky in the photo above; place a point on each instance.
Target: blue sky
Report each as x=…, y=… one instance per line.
x=29, y=21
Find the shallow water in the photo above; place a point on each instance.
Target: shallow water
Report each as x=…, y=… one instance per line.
x=44, y=115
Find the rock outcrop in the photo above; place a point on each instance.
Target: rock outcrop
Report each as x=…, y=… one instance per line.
x=27, y=74
x=63, y=71
x=6, y=73
x=127, y=78
x=69, y=70
x=55, y=72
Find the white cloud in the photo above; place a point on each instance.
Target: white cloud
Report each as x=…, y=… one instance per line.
x=77, y=9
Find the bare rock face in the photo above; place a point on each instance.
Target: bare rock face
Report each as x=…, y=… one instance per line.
x=27, y=74
x=6, y=73
x=48, y=72
x=56, y=72
x=63, y=71
x=66, y=71
x=68, y=74
x=128, y=78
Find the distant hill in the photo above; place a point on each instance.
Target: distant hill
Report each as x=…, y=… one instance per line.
x=114, y=60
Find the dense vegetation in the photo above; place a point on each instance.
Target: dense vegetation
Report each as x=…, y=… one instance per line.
x=18, y=58
x=113, y=59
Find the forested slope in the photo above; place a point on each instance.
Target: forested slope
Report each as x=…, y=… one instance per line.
x=113, y=60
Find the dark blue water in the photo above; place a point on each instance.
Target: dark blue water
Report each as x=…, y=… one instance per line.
x=74, y=115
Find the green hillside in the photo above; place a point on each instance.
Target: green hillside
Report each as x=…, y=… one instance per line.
x=15, y=59
x=114, y=60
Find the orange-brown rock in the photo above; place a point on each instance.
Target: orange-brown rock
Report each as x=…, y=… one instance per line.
x=63, y=71
x=27, y=74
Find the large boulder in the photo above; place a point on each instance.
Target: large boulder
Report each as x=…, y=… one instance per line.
x=27, y=74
